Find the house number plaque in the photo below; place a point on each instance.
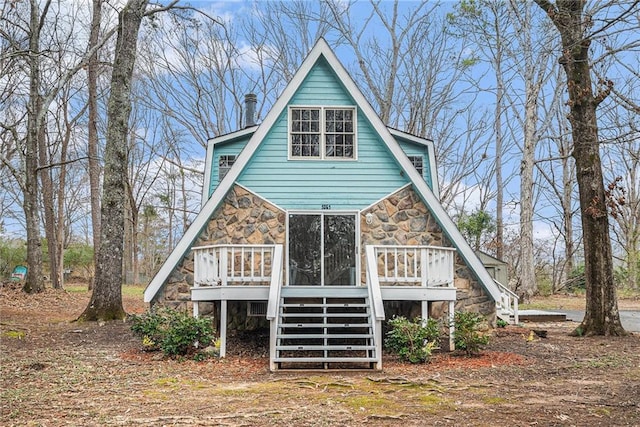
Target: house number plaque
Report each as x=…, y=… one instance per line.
x=326, y=207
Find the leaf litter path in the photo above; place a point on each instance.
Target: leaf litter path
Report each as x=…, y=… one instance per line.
x=54, y=372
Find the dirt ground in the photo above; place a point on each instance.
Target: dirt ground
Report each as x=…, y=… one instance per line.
x=55, y=372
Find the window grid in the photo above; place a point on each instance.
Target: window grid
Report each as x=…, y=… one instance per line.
x=417, y=163
x=305, y=132
x=322, y=132
x=224, y=165
x=339, y=133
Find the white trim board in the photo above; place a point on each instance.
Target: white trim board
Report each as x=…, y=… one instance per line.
x=321, y=49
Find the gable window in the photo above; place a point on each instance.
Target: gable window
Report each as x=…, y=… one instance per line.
x=224, y=165
x=416, y=161
x=322, y=133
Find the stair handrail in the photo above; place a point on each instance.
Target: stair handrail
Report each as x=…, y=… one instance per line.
x=509, y=300
x=375, y=298
x=275, y=284
x=373, y=283
x=274, y=302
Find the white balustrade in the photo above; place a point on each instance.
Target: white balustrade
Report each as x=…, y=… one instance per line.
x=223, y=265
x=508, y=303
x=428, y=266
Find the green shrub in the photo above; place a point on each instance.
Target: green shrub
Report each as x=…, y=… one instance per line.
x=413, y=341
x=466, y=335
x=173, y=332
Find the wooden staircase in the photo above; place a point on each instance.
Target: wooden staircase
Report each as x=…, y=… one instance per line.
x=507, y=307
x=326, y=330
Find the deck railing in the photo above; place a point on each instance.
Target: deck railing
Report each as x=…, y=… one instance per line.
x=223, y=265
x=429, y=266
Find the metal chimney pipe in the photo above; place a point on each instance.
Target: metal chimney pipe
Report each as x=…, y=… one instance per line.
x=250, y=102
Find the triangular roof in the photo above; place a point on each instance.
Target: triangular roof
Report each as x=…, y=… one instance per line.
x=321, y=49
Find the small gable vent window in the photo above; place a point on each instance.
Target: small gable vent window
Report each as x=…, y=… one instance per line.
x=416, y=161
x=224, y=164
x=322, y=133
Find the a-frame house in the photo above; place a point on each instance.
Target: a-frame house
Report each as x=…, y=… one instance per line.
x=320, y=223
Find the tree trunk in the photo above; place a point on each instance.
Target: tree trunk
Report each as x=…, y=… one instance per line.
x=34, y=281
x=499, y=180
x=106, y=299
x=62, y=232
x=527, y=263
x=92, y=142
x=601, y=315
x=567, y=210
x=529, y=287
x=51, y=228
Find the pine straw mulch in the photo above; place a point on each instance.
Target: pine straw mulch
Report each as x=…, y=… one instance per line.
x=54, y=372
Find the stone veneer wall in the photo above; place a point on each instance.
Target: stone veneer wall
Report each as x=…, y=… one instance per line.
x=403, y=219
x=242, y=218
x=245, y=218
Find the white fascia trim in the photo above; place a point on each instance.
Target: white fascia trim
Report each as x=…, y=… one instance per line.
x=242, y=160
x=320, y=49
x=448, y=226
x=433, y=169
x=233, y=135
x=413, y=138
x=211, y=143
x=431, y=149
x=419, y=183
x=457, y=239
x=208, y=167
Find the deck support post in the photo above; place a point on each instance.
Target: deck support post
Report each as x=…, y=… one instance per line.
x=425, y=310
x=452, y=307
x=273, y=366
x=223, y=328
x=378, y=342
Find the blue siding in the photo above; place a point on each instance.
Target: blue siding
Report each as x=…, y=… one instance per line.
x=310, y=184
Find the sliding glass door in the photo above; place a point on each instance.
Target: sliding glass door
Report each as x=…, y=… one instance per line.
x=322, y=249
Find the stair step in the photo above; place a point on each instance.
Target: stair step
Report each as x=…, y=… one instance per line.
x=364, y=315
x=328, y=305
x=324, y=325
x=326, y=359
x=324, y=336
x=325, y=347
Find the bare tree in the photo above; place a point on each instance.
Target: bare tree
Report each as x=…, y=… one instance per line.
x=34, y=281
x=532, y=65
x=575, y=25
x=32, y=31
x=620, y=130
x=556, y=178
x=106, y=298
x=94, y=168
x=488, y=24
x=193, y=70
x=147, y=153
